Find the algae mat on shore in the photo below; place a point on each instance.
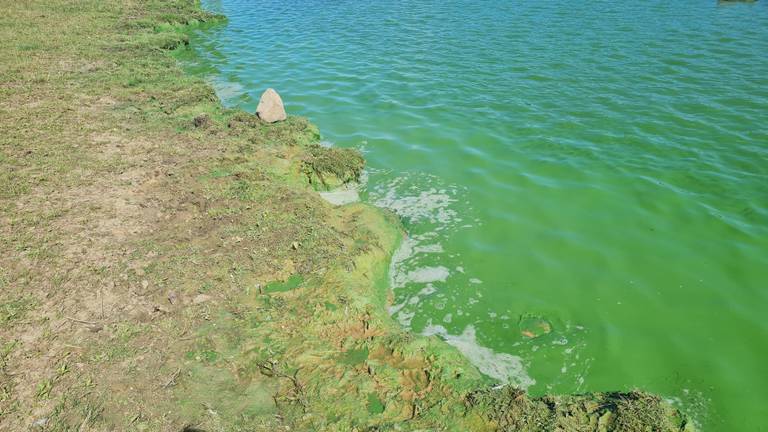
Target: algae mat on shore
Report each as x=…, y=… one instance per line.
x=585, y=183
x=166, y=265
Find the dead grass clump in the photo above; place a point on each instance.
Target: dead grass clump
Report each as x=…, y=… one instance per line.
x=327, y=168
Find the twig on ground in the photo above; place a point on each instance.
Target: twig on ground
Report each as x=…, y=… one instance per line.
x=172, y=380
x=82, y=321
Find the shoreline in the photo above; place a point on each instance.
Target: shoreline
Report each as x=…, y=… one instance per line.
x=228, y=280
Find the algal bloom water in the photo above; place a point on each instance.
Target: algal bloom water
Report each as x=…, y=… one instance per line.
x=585, y=184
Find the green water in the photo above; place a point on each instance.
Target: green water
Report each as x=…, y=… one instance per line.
x=599, y=165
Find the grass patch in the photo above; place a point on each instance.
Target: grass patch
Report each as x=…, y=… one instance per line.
x=16, y=310
x=354, y=356
x=375, y=405
x=205, y=356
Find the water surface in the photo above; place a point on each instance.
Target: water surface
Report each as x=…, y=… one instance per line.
x=599, y=169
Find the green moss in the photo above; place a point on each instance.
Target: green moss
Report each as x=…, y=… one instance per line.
x=354, y=356
x=375, y=405
x=294, y=281
x=164, y=40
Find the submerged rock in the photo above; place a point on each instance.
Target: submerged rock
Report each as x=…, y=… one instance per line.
x=271, y=107
x=532, y=326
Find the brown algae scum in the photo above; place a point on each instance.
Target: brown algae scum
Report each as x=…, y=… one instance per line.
x=168, y=265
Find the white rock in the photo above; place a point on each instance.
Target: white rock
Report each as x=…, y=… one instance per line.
x=271, y=107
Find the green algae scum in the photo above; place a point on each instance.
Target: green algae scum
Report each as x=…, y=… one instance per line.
x=170, y=262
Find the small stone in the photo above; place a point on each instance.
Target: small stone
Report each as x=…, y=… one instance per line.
x=40, y=423
x=295, y=245
x=271, y=107
x=145, y=284
x=172, y=297
x=201, y=298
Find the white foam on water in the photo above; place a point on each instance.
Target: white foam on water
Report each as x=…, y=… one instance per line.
x=430, y=248
x=404, y=318
x=395, y=308
x=416, y=270
x=427, y=290
x=696, y=409
x=341, y=196
x=424, y=275
x=425, y=205
x=432, y=205
x=397, y=278
x=226, y=90
x=506, y=368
